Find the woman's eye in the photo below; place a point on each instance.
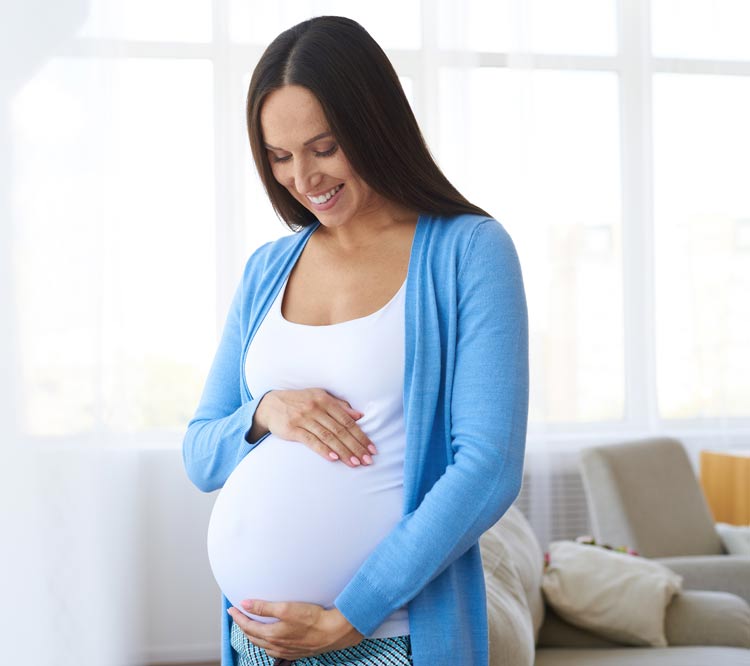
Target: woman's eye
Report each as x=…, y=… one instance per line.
x=325, y=153
x=328, y=152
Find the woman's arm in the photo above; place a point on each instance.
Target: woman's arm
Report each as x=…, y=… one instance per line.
x=218, y=436
x=488, y=416
x=223, y=430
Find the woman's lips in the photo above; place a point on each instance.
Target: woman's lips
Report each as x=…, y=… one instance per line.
x=328, y=204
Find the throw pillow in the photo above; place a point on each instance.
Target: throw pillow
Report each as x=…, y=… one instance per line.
x=736, y=538
x=621, y=597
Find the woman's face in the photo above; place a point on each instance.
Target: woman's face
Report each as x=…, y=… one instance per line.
x=306, y=159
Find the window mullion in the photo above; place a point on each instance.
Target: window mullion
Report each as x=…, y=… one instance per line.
x=228, y=233
x=426, y=89
x=635, y=67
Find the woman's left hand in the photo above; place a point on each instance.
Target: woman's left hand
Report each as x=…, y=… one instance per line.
x=303, y=630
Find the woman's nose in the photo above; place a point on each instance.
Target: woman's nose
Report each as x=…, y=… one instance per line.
x=306, y=176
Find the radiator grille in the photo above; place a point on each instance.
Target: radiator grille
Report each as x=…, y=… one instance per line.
x=552, y=496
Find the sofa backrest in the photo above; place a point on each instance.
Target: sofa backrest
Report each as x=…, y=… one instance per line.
x=645, y=495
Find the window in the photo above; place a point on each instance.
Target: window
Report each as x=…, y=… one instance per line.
x=541, y=148
x=608, y=137
x=115, y=263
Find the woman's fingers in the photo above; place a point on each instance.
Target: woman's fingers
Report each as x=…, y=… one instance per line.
x=335, y=435
x=322, y=441
x=322, y=422
x=341, y=433
x=344, y=417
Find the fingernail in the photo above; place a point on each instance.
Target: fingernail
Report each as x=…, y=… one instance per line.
x=333, y=456
x=366, y=459
x=372, y=449
x=355, y=461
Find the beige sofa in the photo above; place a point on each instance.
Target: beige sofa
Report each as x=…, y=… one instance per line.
x=645, y=494
x=702, y=628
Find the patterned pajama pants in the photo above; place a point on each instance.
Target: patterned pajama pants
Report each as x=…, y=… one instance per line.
x=394, y=651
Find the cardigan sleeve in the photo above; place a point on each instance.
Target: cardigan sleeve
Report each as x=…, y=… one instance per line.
x=216, y=438
x=488, y=418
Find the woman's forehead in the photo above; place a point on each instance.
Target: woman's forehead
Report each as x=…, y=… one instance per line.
x=291, y=113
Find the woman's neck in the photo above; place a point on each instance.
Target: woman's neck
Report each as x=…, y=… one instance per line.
x=365, y=232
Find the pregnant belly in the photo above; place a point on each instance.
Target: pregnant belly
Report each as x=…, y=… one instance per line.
x=289, y=525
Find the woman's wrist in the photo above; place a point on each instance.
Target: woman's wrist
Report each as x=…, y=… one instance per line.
x=259, y=426
x=343, y=630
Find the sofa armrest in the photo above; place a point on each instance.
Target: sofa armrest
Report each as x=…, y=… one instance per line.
x=718, y=573
x=708, y=618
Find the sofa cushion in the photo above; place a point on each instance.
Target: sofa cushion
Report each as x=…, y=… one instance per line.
x=720, y=573
x=557, y=633
x=512, y=561
x=735, y=538
x=693, y=617
x=697, y=617
x=528, y=559
x=511, y=634
x=618, y=596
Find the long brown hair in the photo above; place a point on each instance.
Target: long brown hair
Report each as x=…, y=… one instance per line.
x=338, y=61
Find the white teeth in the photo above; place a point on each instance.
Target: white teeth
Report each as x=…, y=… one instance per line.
x=325, y=197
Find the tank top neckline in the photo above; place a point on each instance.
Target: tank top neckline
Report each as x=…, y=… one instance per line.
x=339, y=324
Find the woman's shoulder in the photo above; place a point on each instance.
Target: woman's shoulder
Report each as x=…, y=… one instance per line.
x=460, y=232
x=272, y=254
x=462, y=224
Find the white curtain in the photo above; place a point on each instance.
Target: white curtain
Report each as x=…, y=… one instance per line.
x=69, y=564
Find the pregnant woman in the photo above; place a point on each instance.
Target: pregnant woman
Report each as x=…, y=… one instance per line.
x=365, y=414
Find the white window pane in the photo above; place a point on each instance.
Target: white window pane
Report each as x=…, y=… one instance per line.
x=407, y=83
x=702, y=217
x=148, y=20
x=475, y=25
x=540, y=152
x=114, y=230
x=393, y=24
x=247, y=24
x=712, y=29
x=585, y=27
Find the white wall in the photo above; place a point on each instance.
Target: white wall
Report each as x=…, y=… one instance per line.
x=71, y=569
x=183, y=601
x=103, y=559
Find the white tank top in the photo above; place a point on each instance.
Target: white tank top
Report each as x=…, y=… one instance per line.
x=289, y=525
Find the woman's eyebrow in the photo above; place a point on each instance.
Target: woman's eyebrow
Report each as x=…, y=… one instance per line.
x=307, y=143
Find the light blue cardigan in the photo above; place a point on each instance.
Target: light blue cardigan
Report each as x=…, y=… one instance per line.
x=465, y=412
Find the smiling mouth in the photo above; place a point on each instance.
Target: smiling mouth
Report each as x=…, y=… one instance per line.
x=326, y=196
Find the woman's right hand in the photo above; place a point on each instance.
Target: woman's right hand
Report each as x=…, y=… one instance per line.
x=320, y=421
